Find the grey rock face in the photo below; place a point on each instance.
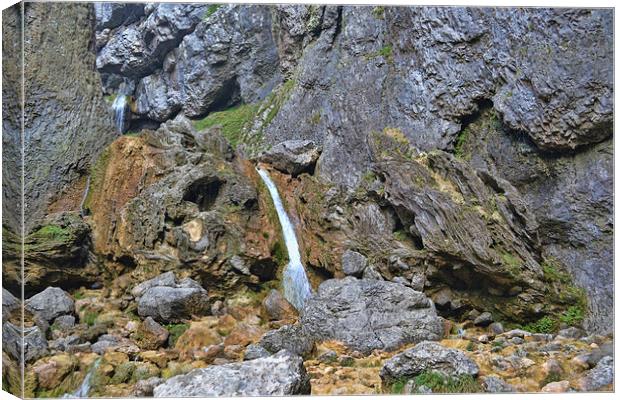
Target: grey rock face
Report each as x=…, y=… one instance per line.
x=67, y=120
x=231, y=56
x=64, y=322
x=293, y=156
x=598, y=377
x=165, y=279
x=292, y=338
x=10, y=303
x=483, y=319
x=111, y=15
x=353, y=263
x=50, y=303
x=370, y=314
x=139, y=49
x=428, y=356
x=278, y=375
x=35, y=345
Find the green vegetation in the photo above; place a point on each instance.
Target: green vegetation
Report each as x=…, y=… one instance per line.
x=544, y=325
x=90, y=317
x=279, y=253
x=440, y=383
x=552, y=272
x=315, y=118
x=400, y=235
x=551, y=377
x=385, y=52
x=232, y=122
x=512, y=263
x=52, y=232
x=459, y=146
x=97, y=174
x=211, y=10
x=573, y=316
x=276, y=99
x=378, y=12
x=175, y=330
x=470, y=346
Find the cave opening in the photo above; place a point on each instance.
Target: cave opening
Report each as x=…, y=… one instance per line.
x=204, y=192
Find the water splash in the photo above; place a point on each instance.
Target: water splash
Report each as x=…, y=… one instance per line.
x=295, y=282
x=121, y=109
x=84, y=388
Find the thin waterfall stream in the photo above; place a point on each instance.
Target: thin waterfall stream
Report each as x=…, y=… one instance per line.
x=294, y=280
x=120, y=108
x=84, y=388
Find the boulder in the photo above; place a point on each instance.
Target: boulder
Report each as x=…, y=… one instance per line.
x=292, y=338
x=483, y=319
x=292, y=156
x=277, y=307
x=145, y=387
x=35, y=344
x=556, y=387
x=427, y=356
x=494, y=384
x=254, y=351
x=10, y=303
x=165, y=279
x=167, y=301
x=599, y=377
x=353, y=263
x=571, y=333
x=278, y=375
x=150, y=335
x=64, y=322
x=370, y=314
x=49, y=304
x=50, y=372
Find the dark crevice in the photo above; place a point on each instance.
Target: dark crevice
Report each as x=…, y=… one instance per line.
x=203, y=192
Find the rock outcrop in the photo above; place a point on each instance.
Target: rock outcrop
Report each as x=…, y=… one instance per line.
x=369, y=314
x=279, y=375
x=292, y=157
x=428, y=357
x=49, y=304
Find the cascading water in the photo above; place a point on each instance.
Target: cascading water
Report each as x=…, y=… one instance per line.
x=295, y=282
x=84, y=388
x=121, y=108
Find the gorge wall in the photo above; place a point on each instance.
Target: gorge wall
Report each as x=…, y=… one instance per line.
x=513, y=105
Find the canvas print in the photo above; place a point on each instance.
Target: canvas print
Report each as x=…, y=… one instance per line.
x=205, y=200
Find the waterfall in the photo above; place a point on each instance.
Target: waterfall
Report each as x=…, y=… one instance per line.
x=120, y=108
x=84, y=388
x=295, y=282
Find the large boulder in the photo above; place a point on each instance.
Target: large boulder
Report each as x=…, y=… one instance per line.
x=111, y=15
x=168, y=301
x=599, y=377
x=50, y=303
x=150, y=335
x=426, y=357
x=35, y=344
x=292, y=338
x=370, y=314
x=278, y=375
x=10, y=303
x=292, y=156
x=277, y=307
x=353, y=263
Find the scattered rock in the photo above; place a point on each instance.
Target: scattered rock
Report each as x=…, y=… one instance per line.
x=484, y=319
x=427, y=356
x=278, y=308
x=494, y=384
x=329, y=356
x=353, y=263
x=145, y=387
x=369, y=314
x=604, y=350
x=50, y=303
x=289, y=337
x=150, y=335
x=50, y=372
x=64, y=322
x=556, y=387
x=571, y=333
x=496, y=328
x=278, y=375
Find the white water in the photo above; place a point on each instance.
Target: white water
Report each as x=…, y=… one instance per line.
x=295, y=282
x=82, y=391
x=120, y=109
